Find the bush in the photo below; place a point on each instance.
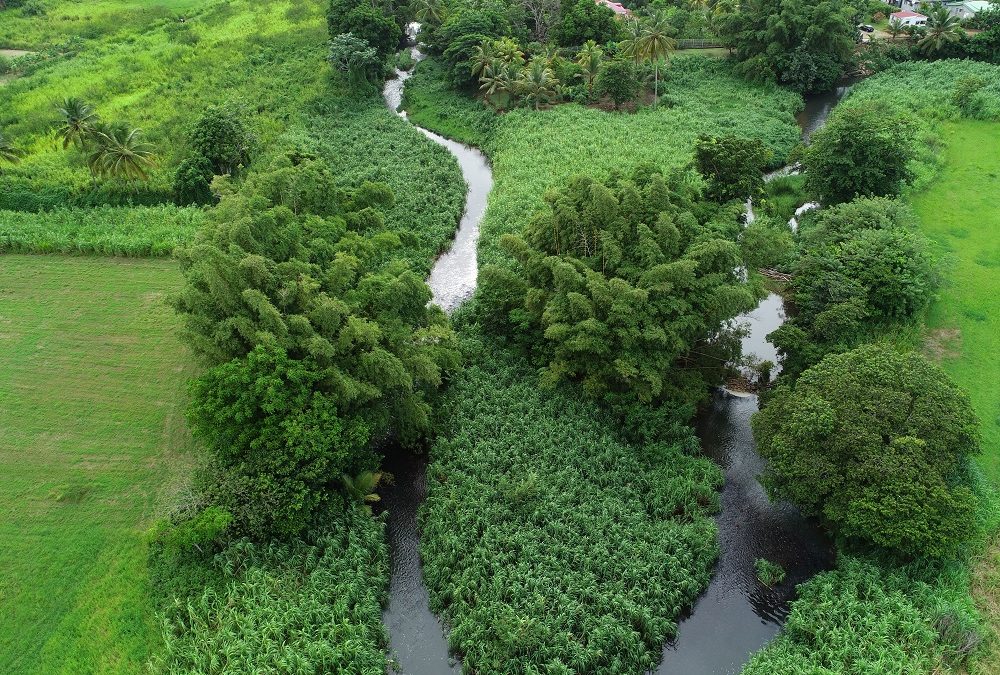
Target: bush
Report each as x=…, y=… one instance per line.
x=768, y=573
x=222, y=136
x=193, y=181
x=118, y=231
x=618, y=81
x=732, y=166
x=877, y=444
x=304, y=607
x=548, y=544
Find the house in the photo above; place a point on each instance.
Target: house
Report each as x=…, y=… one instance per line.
x=908, y=18
x=620, y=11
x=967, y=9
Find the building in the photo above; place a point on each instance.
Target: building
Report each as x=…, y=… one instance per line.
x=967, y=9
x=620, y=11
x=908, y=18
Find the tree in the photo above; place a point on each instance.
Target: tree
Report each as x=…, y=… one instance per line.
x=222, y=135
x=499, y=81
x=877, y=444
x=544, y=14
x=78, y=119
x=118, y=151
x=193, y=181
x=537, y=84
x=618, y=285
x=483, y=56
x=354, y=58
x=943, y=29
x=457, y=39
x=281, y=440
x=618, y=81
x=895, y=29
x=733, y=166
x=863, y=150
x=366, y=22
x=806, y=45
x=589, y=58
x=655, y=44
x=584, y=20
x=8, y=153
x=430, y=13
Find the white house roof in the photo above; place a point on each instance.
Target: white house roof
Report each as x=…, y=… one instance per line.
x=975, y=5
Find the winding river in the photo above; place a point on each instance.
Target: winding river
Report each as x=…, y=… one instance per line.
x=736, y=615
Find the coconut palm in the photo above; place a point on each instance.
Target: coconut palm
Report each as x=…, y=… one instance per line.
x=8, y=153
x=361, y=488
x=119, y=151
x=498, y=81
x=942, y=30
x=78, y=121
x=508, y=51
x=482, y=56
x=430, y=11
x=896, y=28
x=537, y=84
x=629, y=47
x=589, y=59
x=655, y=44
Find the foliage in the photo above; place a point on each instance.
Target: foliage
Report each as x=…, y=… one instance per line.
x=118, y=151
x=462, y=32
x=877, y=443
x=864, y=150
x=732, y=166
x=365, y=21
x=303, y=607
x=767, y=243
x=283, y=442
x=549, y=545
x=583, y=20
x=620, y=285
x=802, y=44
x=769, y=573
x=618, y=80
x=223, y=136
x=942, y=29
x=864, y=618
x=431, y=102
x=354, y=58
x=8, y=153
x=193, y=181
x=131, y=232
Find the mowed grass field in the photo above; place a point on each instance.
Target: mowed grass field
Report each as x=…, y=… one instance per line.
x=92, y=446
x=960, y=212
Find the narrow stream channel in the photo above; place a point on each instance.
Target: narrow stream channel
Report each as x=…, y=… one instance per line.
x=737, y=615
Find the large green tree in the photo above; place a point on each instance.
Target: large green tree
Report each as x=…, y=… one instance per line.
x=733, y=166
x=803, y=44
x=623, y=285
x=863, y=150
x=877, y=444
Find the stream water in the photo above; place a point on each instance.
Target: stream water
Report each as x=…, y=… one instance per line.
x=736, y=615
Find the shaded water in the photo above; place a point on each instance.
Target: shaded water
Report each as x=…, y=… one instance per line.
x=737, y=614
x=818, y=108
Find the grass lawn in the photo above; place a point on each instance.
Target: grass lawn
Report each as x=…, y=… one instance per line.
x=959, y=211
x=91, y=445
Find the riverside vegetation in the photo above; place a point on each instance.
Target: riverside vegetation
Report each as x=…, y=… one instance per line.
x=568, y=521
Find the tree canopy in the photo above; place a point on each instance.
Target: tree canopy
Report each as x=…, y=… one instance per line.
x=623, y=285
x=877, y=444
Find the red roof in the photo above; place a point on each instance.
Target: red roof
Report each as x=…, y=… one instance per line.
x=615, y=7
x=906, y=15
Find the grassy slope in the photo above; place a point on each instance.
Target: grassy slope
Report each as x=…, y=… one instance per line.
x=92, y=439
x=961, y=214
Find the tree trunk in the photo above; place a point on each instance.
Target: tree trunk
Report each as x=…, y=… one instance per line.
x=656, y=85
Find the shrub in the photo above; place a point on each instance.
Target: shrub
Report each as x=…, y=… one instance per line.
x=877, y=443
x=769, y=573
x=193, y=181
x=732, y=166
x=222, y=136
x=548, y=544
x=618, y=81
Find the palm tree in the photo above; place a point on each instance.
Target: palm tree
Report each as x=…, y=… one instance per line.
x=482, y=56
x=430, y=11
x=896, y=28
x=655, y=44
x=119, y=151
x=8, y=153
x=629, y=47
x=589, y=59
x=498, y=80
x=361, y=488
x=537, y=84
x=508, y=51
x=78, y=121
x=942, y=30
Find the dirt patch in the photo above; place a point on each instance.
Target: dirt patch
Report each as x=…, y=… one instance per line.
x=14, y=53
x=943, y=343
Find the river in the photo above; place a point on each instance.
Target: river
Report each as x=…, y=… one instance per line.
x=737, y=614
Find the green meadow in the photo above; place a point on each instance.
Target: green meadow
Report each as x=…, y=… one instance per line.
x=93, y=448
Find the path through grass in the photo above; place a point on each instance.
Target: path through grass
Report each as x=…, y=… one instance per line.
x=91, y=441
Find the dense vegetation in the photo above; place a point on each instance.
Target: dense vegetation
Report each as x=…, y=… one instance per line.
x=549, y=544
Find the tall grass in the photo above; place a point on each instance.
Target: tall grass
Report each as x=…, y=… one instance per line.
x=131, y=232
x=549, y=545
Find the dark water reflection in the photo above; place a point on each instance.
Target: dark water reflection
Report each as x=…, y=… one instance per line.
x=416, y=636
x=818, y=107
